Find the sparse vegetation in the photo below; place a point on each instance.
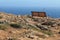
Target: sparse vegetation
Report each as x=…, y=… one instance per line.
x=43, y=31
x=31, y=28
x=1, y=22
x=15, y=25
x=42, y=27
x=3, y=27
x=47, y=32
x=48, y=23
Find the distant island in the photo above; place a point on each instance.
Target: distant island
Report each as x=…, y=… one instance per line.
x=26, y=27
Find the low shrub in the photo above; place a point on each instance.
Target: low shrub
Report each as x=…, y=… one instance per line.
x=33, y=27
x=42, y=27
x=48, y=23
x=47, y=32
x=15, y=25
x=1, y=22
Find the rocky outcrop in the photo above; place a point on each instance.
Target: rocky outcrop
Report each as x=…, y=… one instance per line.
x=26, y=27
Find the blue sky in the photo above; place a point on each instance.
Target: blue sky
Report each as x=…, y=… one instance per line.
x=29, y=3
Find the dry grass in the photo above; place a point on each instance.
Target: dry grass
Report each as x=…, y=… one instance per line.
x=3, y=26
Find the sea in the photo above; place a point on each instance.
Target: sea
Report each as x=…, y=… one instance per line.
x=51, y=12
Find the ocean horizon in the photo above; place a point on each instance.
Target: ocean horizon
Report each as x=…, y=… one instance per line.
x=51, y=12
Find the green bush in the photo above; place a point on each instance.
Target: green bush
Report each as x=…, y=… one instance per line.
x=15, y=25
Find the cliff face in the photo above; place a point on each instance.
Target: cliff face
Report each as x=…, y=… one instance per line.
x=17, y=27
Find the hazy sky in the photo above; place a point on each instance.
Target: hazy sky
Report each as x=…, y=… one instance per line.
x=29, y=3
